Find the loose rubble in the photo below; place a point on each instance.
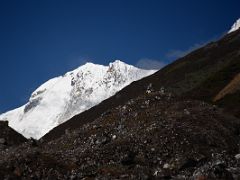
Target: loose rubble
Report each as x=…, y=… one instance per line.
x=169, y=139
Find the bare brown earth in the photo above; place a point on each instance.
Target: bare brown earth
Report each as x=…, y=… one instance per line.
x=231, y=88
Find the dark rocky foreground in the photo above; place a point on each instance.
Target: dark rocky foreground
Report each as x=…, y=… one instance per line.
x=154, y=136
x=9, y=137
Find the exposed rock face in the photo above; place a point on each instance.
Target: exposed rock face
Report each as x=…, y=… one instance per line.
x=155, y=136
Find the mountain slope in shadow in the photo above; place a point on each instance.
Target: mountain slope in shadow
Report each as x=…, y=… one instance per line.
x=154, y=136
x=200, y=75
x=9, y=137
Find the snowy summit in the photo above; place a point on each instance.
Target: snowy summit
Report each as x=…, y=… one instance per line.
x=235, y=26
x=62, y=97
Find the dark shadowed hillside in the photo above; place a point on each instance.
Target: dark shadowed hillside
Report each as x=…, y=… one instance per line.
x=201, y=75
x=154, y=136
x=9, y=137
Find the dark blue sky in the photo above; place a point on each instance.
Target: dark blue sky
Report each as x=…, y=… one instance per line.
x=40, y=39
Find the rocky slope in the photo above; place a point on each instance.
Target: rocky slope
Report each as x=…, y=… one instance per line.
x=179, y=123
x=62, y=97
x=201, y=75
x=9, y=137
x=154, y=136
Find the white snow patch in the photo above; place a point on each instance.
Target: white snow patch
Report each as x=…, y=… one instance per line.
x=235, y=26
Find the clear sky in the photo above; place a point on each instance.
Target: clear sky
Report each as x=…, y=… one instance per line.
x=41, y=39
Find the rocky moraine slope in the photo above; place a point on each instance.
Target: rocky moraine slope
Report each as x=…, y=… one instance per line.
x=179, y=123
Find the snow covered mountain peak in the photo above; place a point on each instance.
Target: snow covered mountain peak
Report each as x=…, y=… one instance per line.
x=235, y=26
x=60, y=98
x=118, y=63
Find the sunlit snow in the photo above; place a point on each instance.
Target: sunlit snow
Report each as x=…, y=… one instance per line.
x=62, y=97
